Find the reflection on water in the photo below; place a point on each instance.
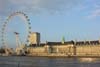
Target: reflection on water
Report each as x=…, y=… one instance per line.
x=87, y=59
x=48, y=62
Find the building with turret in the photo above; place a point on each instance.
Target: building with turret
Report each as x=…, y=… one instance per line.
x=65, y=48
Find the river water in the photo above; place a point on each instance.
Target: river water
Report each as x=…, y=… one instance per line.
x=48, y=62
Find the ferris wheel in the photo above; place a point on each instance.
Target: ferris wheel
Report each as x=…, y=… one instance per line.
x=27, y=23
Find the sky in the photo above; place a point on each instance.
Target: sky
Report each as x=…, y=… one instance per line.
x=73, y=19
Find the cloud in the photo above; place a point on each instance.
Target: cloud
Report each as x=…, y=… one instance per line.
x=9, y=6
x=35, y=6
x=93, y=9
x=94, y=14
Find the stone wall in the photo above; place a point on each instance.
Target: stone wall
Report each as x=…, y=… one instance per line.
x=88, y=50
x=78, y=50
x=62, y=49
x=36, y=50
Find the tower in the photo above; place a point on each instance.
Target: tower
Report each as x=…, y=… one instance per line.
x=63, y=40
x=34, y=38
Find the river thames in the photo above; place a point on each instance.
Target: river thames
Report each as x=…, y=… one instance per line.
x=48, y=62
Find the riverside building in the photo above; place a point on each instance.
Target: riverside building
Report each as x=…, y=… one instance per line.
x=65, y=48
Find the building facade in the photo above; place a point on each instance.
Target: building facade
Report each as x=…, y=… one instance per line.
x=34, y=38
x=70, y=48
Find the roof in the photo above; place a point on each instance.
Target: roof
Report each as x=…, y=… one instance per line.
x=95, y=42
x=35, y=45
x=60, y=43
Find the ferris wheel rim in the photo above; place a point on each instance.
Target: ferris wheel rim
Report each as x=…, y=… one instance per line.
x=3, y=39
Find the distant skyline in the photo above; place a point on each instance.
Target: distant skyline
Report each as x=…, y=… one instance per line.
x=73, y=19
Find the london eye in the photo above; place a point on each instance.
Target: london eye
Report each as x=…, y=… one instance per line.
x=27, y=23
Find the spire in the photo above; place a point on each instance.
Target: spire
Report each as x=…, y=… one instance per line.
x=63, y=40
x=75, y=41
x=46, y=42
